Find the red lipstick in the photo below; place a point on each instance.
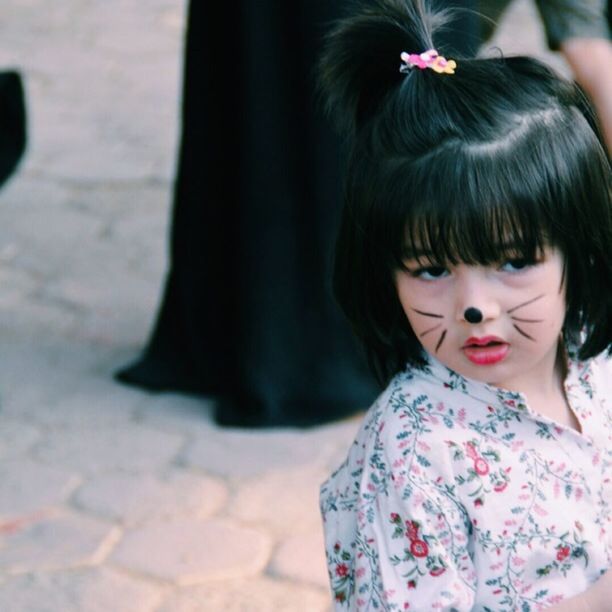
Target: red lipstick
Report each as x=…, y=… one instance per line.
x=487, y=350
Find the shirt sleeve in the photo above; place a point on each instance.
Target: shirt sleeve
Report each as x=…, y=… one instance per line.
x=396, y=537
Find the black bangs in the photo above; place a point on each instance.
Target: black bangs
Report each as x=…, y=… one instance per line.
x=479, y=222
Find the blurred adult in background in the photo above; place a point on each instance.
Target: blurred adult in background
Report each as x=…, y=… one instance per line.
x=12, y=123
x=580, y=30
x=247, y=314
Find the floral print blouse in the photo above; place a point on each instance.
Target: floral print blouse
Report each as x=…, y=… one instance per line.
x=456, y=495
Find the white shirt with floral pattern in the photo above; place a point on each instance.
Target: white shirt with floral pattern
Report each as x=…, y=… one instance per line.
x=456, y=495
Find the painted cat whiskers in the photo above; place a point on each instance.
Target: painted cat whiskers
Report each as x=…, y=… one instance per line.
x=509, y=312
x=518, y=329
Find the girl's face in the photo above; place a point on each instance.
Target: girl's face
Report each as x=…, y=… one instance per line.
x=498, y=324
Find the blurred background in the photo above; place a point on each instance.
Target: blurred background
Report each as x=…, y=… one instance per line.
x=112, y=498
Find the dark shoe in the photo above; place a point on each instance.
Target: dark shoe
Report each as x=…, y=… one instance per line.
x=152, y=376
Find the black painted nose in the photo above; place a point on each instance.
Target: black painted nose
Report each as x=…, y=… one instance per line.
x=472, y=315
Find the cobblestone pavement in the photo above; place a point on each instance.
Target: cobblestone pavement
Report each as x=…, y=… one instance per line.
x=111, y=499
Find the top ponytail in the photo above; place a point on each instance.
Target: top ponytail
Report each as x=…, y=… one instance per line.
x=361, y=62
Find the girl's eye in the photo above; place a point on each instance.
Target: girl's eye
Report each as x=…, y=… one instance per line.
x=516, y=265
x=431, y=273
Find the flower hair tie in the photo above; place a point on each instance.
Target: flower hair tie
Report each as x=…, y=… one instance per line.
x=427, y=59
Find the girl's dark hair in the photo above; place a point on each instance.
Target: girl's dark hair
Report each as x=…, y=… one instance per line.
x=456, y=164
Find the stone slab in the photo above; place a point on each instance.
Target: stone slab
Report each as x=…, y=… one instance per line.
x=284, y=502
x=104, y=449
x=96, y=402
x=82, y=590
x=54, y=541
x=28, y=487
x=255, y=595
x=302, y=558
x=16, y=438
x=136, y=498
x=244, y=454
x=190, y=551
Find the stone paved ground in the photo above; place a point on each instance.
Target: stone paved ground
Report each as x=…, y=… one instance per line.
x=111, y=499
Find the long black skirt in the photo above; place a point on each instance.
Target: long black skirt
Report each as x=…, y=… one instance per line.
x=247, y=314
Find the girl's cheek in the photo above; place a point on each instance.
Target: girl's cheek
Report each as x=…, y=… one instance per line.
x=520, y=280
x=431, y=289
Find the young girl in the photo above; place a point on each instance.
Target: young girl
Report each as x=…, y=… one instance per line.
x=473, y=262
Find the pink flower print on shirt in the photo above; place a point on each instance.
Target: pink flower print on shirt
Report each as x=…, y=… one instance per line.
x=412, y=530
x=481, y=467
x=342, y=570
x=419, y=548
x=470, y=450
x=539, y=510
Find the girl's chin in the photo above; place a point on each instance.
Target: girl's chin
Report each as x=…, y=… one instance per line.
x=485, y=374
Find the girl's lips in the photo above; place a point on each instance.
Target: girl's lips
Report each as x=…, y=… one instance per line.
x=482, y=341
x=487, y=354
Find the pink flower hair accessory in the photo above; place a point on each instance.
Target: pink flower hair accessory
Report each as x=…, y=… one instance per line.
x=428, y=59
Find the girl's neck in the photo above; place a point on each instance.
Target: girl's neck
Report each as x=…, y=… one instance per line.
x=551, y=401
x=545, y=380
x=545, y=392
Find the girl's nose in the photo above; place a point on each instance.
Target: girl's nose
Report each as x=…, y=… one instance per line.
x=472, y=315
x=476, y=301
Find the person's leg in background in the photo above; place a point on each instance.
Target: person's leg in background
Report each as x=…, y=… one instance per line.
x=580, y=30
x=584, y=39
